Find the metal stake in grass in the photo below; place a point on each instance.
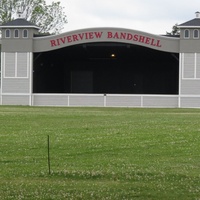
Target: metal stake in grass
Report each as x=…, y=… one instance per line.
x=49, y=163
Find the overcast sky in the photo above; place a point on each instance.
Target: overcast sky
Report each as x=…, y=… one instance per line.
x=153, y=16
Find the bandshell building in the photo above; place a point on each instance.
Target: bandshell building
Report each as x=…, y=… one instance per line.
x=103, y=67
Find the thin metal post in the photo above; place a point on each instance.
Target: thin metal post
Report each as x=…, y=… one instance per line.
x=49, y=163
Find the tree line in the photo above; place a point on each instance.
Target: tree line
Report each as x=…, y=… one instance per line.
x=50, y=18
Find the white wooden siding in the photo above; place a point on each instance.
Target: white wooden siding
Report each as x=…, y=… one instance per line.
x=198, y=65
x=188, y=65
x=15, y=100
x=9, y=65
x=123, y=100
x=190, y=102
x=50, y=100
x=160, y=101
x=22, y=65
x=190, y=87
x=15, y=85
x=16, y=65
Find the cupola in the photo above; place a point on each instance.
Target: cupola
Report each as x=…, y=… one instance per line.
x=197, y=14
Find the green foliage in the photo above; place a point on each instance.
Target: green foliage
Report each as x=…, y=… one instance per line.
x=99, y=153
x=50, y=18
x=175, y=30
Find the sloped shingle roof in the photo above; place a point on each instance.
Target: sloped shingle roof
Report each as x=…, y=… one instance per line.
x=193, y=22
x=19, y=23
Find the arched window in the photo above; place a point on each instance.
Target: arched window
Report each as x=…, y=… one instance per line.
x=25, y=33
x=7, y=35
x=186, y=34
x=16, y=33
x=196, y=34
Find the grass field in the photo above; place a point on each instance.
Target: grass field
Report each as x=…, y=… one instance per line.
x=99, y=153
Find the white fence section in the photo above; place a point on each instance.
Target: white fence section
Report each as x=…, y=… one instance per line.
x=106, y=100
x=102, y=100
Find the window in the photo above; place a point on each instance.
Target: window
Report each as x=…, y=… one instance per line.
x=25, y=33
x=16, y=33
x=196, y=34
x=7, y=33
x=186, y=34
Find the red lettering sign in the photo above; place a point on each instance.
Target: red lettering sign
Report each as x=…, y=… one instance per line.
x=53, y=43
x=98, y=34
x=109, y=35
x=69, y=39
x=134, y=37
x=117, y=35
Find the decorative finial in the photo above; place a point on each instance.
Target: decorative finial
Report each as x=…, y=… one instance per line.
x=20, y=9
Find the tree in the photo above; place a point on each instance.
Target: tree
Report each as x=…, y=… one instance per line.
x=50, y=18
x=175, y=30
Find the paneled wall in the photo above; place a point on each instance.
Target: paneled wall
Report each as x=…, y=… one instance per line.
x=16, y=78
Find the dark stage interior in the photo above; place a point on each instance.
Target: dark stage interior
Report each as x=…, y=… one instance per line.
x=107, y=68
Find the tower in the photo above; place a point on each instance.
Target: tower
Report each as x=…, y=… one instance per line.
x=16, y=61
x=189, y=79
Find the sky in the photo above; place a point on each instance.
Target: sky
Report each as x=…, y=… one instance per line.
x=152, y=16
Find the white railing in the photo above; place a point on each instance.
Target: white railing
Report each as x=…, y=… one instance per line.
x=101, y=100
x=105, y=100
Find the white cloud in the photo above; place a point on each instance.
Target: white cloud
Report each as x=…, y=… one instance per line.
x=154, y=16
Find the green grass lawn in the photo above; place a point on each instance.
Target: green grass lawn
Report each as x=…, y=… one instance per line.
x=99, y=153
